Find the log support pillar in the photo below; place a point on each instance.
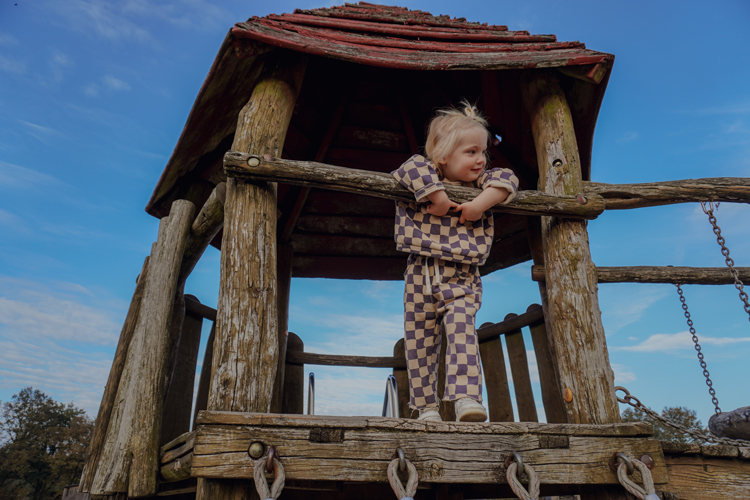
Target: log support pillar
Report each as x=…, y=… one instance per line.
x=246, y=347
x=585, y=376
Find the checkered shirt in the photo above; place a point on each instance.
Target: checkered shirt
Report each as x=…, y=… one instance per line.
x=418, y=232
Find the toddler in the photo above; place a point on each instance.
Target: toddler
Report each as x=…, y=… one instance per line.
x=445, y=250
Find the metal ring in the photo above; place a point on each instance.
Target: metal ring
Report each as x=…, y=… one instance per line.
x=269, y=459
x=621, y=456
x=401, y=460
x=517, y=458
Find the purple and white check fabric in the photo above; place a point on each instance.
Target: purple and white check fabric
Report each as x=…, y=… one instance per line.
x=438, y=290
x=418, y=232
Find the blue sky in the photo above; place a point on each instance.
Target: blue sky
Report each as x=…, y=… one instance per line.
x=95, y=94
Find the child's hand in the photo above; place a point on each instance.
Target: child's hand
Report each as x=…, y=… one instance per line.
x=470, y=211
x=440, y=205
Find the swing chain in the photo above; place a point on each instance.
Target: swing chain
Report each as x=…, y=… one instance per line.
x=633, y=401
x=710, y=384
x=725, y=252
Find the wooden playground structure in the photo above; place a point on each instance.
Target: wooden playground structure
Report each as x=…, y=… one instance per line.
x=285, y=158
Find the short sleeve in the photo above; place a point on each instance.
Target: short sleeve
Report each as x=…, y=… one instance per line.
x=500, y=178
x=419, y=176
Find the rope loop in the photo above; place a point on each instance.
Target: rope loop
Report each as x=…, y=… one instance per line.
x=645, y=492
x=511, y=474
x=261, y=485
x=411, y=484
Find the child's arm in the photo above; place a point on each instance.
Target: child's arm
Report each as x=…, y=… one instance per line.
x=487, y=199
x=499, y=185
x=419, y=176
x=440, y=204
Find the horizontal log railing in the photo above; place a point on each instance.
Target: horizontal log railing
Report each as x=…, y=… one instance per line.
x=366, y=182
x=659, y=274
x=596, y=197
x=485, y=333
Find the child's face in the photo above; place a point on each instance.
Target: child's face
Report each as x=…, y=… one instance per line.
x=467, y=161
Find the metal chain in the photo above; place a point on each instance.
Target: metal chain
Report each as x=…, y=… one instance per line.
x=710, y=384
x=636, y=403
x=725, y=252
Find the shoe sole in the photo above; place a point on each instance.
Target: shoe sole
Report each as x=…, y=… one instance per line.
x=472, y=416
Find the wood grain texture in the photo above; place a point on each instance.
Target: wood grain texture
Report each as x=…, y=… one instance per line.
x=294, y=378
x=651, y=194
x=246, y=346
x=554, y=408
x=443, y=452
x=178, y=405
x=204, y=382
x=207, y=224
x=284, y=278
x=704, y=478
x=499, y=404
x=383, y=185
x=661, y=274
x=575, y=317
x=113, y=382
x=129, y=461
x=402, y=380
x=519, y=368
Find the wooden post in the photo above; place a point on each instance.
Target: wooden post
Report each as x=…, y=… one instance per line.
x=499, y=403
x=554, y=408
x=130, y=459
x=246, y=348
x=294, y=379
x=179, y=401
x=586, y=377
x=201, y=398
x=519, y=368
x=402, y=381
x=284, y=273
x=113, y=383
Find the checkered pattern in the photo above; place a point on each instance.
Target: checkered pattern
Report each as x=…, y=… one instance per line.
x=418, y=232
x=436, y=289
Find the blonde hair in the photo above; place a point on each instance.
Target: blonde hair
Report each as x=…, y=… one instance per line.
x=448, y=127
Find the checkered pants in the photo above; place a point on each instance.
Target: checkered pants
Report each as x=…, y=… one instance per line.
x=436, y=289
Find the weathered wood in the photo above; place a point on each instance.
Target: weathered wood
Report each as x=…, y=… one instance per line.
x=661, y=274
x=204, y=382
x=447, y=408
x=178, y=451
x=402, y=380
x=519, y=368
x=554, y=409
x=733, y=424
x=178, y=405
x=311, y=358
x=359, y=448
x=178, y=469
x=177, y=442
x=113, y=383
x=511, y=323
x=171, y=417
x=694, y=477
x=575, y=318
x=284, y=279
x=130, y=458
x=499, y=404
x=180, y=490
x=294, y=378
x=200, y=310
x=651, y=194
x=350, y=180
x=246, y=346
x=205, y=227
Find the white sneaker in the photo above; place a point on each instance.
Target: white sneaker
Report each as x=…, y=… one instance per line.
x=470, y=410
x=430, y=415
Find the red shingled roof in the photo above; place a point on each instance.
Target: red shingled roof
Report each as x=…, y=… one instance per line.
x=395, y=37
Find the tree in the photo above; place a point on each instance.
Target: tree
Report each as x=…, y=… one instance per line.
x=677, y=414
x=42, y=445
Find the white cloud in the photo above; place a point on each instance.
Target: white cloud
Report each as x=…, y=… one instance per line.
x=628, y=136
x=58, y=63
x=7, y=39
x=115, y=83
x=360, y=335
x=91, y=90
x=672, y=342
x=622, y=376
x=41, y=133
x=14, y=176
x=100, y=18
x=620, y=309
x=12, y=66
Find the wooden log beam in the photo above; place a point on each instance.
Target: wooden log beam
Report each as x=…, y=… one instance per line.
x=575, y=318
x=320, y=175
x=129, y=461
x=660, y=274
x=246, y=348
x=113, y=383
x=359, y=448
x=651, y=194
x=698, y=477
